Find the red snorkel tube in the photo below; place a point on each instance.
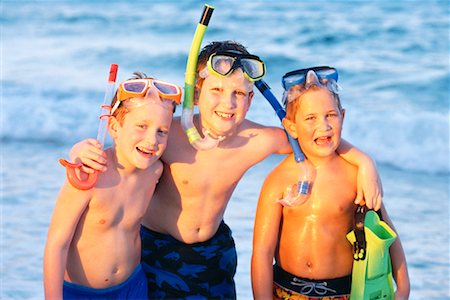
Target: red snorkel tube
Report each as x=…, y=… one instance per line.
x=91, y=179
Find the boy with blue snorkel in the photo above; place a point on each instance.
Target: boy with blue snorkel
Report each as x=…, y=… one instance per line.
x=313, y=259
x=93, y=249
x=188, y=250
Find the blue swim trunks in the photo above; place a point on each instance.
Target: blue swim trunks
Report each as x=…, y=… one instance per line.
x=135, y=287
x=176, y=270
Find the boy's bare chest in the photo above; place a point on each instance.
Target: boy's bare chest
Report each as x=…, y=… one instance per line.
x=120, y=207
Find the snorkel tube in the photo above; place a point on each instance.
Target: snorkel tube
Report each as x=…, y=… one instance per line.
x=304, y=185
x=187, y=115
x=264, y=88
x=90, y=181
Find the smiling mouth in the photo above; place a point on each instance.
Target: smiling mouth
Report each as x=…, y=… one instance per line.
x=323, y=140
x=224, y=115
x=145, y=151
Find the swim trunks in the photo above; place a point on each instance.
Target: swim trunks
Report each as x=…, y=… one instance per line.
x=176, y=270
x=135, y=287
x=289, y=286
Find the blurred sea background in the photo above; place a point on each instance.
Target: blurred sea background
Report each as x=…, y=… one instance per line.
x=393, y=60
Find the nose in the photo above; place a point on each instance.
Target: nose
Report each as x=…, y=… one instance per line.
x=151, y=139
x=324, y=124
x=228, y=100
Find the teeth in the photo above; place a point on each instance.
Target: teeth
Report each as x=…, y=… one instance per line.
x=322, y=140
x=224, y=115
x=145, y=150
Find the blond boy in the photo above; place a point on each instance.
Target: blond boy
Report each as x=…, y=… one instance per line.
x=93, y=248
x=313, y=259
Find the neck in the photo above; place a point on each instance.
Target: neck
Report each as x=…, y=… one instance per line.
x=116, y=163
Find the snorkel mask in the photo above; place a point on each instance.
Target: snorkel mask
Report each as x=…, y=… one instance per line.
x=222, y=64
x=136, y=92
x=297, y=82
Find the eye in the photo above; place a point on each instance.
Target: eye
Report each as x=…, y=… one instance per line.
x=216, y=90
x=241, y=93
x=310, y=118
x=163, y=132
x=332, y=115
x=142, y=126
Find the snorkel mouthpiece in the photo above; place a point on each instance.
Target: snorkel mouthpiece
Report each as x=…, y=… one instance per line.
x=188, y=103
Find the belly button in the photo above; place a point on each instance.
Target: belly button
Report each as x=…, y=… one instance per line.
x=185, y=181
x=115, y=270
x=309, y=264
x=102, y=221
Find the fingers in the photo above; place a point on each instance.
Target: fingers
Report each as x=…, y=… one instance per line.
x=359, y=196
x=89, y=152
x=378, y=202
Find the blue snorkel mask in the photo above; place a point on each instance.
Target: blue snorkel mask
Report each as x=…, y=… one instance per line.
x=295, y=83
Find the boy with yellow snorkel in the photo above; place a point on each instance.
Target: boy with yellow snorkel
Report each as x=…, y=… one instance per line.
x=313, y=259
x=93, y=248
x=187, y=248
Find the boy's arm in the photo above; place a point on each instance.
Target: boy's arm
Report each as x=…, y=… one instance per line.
x=265, y=237
x=90, y=153
x=369, y=184
x=398, y=259
x=69, y=206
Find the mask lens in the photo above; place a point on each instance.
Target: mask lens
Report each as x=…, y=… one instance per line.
x=222, y=64
x=165, y=88
x=290, y=80
x=253, y=67
x=135, y=87
x=326, y=73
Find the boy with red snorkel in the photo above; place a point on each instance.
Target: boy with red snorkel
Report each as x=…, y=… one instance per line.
x=313, y=258
x=93, y=248
x=187, y=248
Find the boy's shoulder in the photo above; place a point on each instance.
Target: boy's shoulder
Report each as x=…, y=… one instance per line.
x=286, y=171
x=265, y=130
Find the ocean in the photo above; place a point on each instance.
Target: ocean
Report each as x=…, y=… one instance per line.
x=393, y=62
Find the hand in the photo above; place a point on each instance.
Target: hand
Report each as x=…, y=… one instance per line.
x=89, y=152
x=369, y=187
x=400, y=296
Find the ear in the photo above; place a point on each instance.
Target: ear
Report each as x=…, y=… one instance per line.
x=196, y=94
x=290, y=127
x=250, y=98
x=342, y=114
x=113, y=127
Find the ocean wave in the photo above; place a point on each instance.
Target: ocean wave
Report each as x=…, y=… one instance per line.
x=392, y=59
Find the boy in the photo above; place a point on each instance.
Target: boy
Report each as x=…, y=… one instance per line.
x=187, y=248
x=93, y=248
x=313, y=259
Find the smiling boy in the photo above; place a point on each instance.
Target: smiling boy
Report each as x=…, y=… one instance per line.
x=93, y=248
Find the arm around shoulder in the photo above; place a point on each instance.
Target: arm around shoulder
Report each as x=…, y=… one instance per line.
x=369, y=184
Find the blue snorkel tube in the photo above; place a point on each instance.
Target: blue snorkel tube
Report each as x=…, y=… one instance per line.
x=304, y=185
x=264, y=88
x=187, y=114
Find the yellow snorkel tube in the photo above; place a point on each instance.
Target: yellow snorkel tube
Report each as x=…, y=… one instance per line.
x=189, y=87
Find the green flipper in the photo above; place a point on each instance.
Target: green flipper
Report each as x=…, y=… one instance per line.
x=372, y=269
